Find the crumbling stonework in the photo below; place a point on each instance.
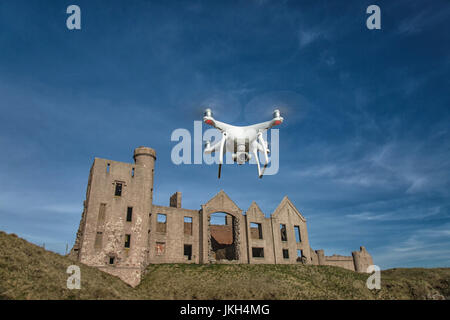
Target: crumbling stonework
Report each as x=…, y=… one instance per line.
x=361, y=259
x=121, y=232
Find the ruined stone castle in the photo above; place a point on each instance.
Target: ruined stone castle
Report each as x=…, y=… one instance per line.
x=121, y=231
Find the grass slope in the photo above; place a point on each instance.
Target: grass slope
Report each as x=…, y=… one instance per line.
x=30, y=272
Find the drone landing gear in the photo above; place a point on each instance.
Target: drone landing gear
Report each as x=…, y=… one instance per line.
x=264, y=169
x=266, y=158
x=221, y=151
x=260, y=172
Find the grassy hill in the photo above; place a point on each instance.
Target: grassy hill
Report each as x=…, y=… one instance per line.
x=28, y=271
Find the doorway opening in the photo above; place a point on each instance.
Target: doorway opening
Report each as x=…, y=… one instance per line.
x=223, y=244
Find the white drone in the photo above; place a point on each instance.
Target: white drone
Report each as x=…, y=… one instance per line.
x=242, y=142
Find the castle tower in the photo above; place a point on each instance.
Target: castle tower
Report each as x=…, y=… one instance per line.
x=115, y=225
x=144, y=158
x=362, y=259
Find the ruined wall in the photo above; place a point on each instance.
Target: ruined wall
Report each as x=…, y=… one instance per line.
x=359, y=260
x=123, y=243
x=340, y=261
x=222, y=234
x=175, y=200
x=255, y=215
x=314, y=257
x=288, y=215
x=222, y=241
x=222, y=203
x=168, y=246
x=75, y=251
x=118, y=246
x=362, y=259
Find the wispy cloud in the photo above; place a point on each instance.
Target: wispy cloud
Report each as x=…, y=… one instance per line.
x=64, y=208
x=400, y=214
x=395, y=164
x=427, y=247
x=306, y=37
x=425, y=18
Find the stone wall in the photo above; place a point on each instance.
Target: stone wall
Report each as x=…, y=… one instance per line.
x=263, y=240
x=109, y=239
x=359, y=261
x=362, y=259
x=288, y=216
x=123, y=242
x=222, y=203
x=175, y=237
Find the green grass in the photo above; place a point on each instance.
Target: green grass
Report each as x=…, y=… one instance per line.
x=30, y=272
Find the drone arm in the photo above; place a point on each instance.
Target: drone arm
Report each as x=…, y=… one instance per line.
x=219, y=125
x=265, y=125
x=268, y=124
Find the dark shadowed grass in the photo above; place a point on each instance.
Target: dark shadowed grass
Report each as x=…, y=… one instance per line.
x=30, y=272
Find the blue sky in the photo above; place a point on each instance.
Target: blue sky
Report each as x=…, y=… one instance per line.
x=364, y=150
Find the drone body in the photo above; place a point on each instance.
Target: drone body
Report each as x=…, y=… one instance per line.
x=242, y=142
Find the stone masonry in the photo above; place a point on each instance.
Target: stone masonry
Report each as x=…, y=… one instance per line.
x=121, y=232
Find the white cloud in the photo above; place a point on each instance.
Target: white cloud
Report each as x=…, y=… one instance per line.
x=417, y=183
x=406, y=213
x=306, y=37
x=327, y=170
x=368, y=216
